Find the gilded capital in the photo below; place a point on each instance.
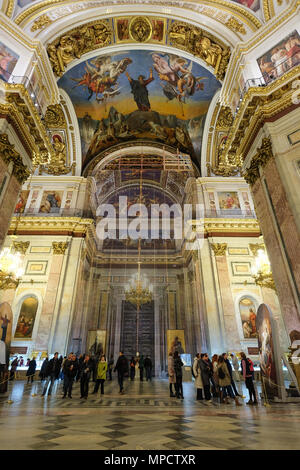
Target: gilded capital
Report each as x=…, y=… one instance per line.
x=21, y=247
x=254, y=247
x=263, y=155
x=54, y=117
x=59, y=248
x=219, y=248
x=9, y=154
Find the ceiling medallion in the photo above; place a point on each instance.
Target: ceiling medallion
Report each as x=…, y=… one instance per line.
x=140, y=29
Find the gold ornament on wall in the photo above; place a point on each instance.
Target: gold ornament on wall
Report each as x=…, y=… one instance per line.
x=260, y=159
x=254, y=247
x=235, y=25
x=140, y=29
x=21, y=247
x=77, y=42
x=219, y=248
x=54, y=117
x=9, y=154
x=59, y=248
x=41, y=22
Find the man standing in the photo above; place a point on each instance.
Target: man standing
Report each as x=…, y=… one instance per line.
x=52, y=373
x=227, y=362
x=122, y=368
x=70, y=371
x=110, y=366
x=206, y=374
x=148, y=367
x=85, y=368
x=141, y=367
x=139, y=90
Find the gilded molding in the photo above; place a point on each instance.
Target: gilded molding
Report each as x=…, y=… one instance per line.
x=73, y=226
x=21, y=247
x=41, y=22
x=55, y=117
x=9, y=154
x=10, y=8
x=219, y=248
x=59, y=248
x=260, y=159
x=222, y=226
x=241, y=13
x=235, y=25
x=98, y=34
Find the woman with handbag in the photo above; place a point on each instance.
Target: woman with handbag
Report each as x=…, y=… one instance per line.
x=225, y=382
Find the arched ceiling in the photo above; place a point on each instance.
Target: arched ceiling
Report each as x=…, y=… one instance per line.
x=115, y=105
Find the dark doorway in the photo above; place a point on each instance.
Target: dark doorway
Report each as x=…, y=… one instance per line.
x=146, y=330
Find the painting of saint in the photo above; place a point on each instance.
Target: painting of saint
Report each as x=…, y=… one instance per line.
x=26, y=319
x=248, y=317
x=282, y=57
x=123, y=29
x=157, y=30
x=20, y=206
x=51, y=201
x=229, y=201
x=139, y=90
x=175, y=341
x=8, y=60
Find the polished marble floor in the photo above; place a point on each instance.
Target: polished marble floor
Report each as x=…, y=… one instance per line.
x=145, y=418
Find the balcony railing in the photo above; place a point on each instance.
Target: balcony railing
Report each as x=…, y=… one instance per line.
x=270, y=74
x=21, y=80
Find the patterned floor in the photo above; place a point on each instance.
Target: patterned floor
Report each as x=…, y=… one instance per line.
x=145, y=418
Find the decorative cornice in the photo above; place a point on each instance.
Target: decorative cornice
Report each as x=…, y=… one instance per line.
x=219, y=248
x=260, y=159
x=9, y=154
x=59, y=248
x=235, y=25
x=21, y=247
x=231, y=226
x=71, y=226
x=55, y=117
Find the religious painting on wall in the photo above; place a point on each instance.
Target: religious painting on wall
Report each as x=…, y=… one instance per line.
x=26, y=318
x=8, y=60
x=282, y=57
x=140, y=94
x=22, y=200
x=229, y=201
x=96, y=342
x=175, y=341
x=51, y=201
x=269, y=353
x=248, y=317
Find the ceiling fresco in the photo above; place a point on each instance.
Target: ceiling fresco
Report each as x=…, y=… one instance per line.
x=140, y=95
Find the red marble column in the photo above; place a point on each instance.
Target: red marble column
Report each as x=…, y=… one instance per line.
x=9, y=201
x=282, y=241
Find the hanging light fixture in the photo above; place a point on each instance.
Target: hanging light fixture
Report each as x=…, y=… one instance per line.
x=261, y=271
x=11, y=269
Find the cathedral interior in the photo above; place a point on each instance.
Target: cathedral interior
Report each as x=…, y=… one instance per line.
x=109, y=111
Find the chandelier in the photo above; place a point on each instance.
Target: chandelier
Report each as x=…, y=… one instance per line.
x=11, y=269
x=138, y=293
x=261, y=271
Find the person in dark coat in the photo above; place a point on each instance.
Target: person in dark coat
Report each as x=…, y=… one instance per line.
x=31, y=370
x=122, y=368
x=132, y=368
x=141, y=367
x=70, y=372
x=206, y=374
x=178, y=373
x=43, y=370
x=85, y=369
x=52, y=373
x=148, y=367
x=13, y=368
x=110, y=366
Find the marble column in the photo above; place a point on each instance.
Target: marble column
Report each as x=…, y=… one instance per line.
x=8, y=199
x=187, y=323
x=231, y=330
x=50, y=297
x=200, y=317
x=278, y=225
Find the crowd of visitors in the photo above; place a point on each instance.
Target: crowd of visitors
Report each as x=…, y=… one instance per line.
x=213, y=378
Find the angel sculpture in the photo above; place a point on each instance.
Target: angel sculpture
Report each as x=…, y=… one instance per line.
x=180, y=81
x=101, y=77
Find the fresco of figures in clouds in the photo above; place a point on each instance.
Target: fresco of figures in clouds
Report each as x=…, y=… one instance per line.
x=140, y=95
